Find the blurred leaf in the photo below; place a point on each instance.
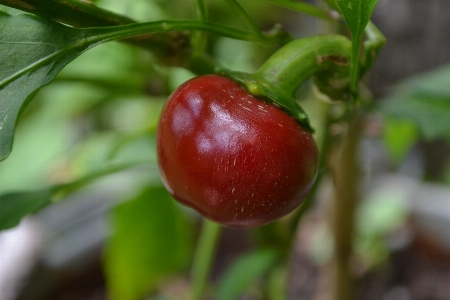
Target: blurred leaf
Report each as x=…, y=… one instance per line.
x=399, y=136
x=40, y=142
x=14, y=206
x=277, y=284
x=151, y=239
x=236, y=55
x=333, y=4
x=430, y=114
x=303, y=6
x=435, y=82
x=425, y=101
x=244, y=271
x=138, y=10
x=383, y=212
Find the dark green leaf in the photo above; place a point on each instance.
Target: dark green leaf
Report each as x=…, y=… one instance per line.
x=151, y=239
x=32, y=51
x=244, y=271
x=14, y=206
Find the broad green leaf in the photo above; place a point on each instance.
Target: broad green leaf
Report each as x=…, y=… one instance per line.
x=33, y=50
x=244, y=271
x=150, y=240
x=357, y=14
x=16, y=205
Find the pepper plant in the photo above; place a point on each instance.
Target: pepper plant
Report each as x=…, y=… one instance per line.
x=38, y=39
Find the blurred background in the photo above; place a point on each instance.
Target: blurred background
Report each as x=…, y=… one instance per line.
x=102, y=111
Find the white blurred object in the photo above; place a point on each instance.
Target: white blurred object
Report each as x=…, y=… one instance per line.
x=428, y=203
x=19, y=251
x=431, y=204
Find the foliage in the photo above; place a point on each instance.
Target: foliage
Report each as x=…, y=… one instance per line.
x=75, y=109
x=149, y=230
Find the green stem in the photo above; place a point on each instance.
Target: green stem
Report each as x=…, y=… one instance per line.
x=354, y=69
x=307, y=8
x=104, y=34
x=199, y=38
x=203, y=258
x=201, y=12
x=300, y=59
x=346, y=195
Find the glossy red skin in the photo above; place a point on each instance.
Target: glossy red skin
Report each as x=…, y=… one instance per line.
x=235, y=159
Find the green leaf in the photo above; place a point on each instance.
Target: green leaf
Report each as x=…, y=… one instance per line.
x=14, y=206
x=32, y=51
x=244, y=271
x=357, y=14
x=151, y=240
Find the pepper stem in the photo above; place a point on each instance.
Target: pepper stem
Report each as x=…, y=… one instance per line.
x=327, y=58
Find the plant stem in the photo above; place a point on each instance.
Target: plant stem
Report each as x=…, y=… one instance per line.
x=346, y=195
x=104, y=34
x=203, y=258
x=354, y=64
x=199, y=38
